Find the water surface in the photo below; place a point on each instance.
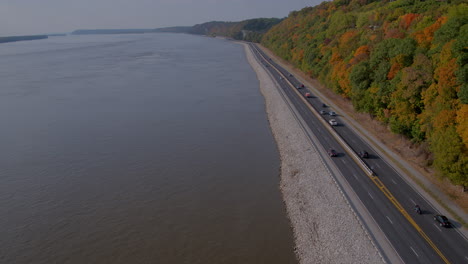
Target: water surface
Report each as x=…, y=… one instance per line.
x=151, y=148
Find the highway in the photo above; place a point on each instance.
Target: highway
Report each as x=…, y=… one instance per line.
x=386, y=195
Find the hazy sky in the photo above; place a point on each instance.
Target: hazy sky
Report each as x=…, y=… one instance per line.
x=22, y=17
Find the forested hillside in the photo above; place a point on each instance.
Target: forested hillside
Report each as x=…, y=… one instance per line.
x=248, y=30
x=404, y=62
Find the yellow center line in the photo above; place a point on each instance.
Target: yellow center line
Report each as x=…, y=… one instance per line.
x=376, y=181
x=400, y=208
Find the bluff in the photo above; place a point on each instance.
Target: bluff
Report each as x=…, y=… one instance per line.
x=404, y=62
x=248, y=30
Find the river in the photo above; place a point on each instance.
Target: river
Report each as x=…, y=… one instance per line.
x=147, y=148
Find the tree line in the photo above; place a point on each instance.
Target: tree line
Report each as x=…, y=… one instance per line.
x=404, y=62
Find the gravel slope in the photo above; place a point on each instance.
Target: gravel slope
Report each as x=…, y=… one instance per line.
x=326, y=229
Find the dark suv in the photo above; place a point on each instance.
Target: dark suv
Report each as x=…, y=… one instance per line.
x=332, y=153
x=442, y=220
x=364, y=154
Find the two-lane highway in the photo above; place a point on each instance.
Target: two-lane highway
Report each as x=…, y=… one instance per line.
x=386, y=195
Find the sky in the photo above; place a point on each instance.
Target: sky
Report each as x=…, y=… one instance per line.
x=25, y=17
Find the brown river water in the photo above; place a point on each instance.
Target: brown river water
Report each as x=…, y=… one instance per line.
x=151, y=148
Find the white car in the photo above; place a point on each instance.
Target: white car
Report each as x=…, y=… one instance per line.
x=333, y=122
x=331, y=113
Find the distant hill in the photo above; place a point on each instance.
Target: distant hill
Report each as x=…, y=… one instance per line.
x=110, y=31
x=172, y=30
x=404, y=62
x=248, y=30
x=21, y=38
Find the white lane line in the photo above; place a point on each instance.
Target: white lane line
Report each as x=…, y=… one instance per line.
x=437, y=227
x=413, y=201
x=355, y=176
x=414, y=251
x=344, y=161
x=377, y=165
x=389, y=220
x=393, y=181
x=371, y=196
x=466, y=257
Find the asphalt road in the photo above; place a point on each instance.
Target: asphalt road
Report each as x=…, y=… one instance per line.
x=387, y=196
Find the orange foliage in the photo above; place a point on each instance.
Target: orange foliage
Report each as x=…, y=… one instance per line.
x=336, y=57
x=347, y=36
x=394, y=33
x=447, y=84
x=396, y=67
x=425, y=36
x=447, y=80
x=340, y=73
x=405, y=20
x=322, y=13
x=362, y=53
x=362, y=49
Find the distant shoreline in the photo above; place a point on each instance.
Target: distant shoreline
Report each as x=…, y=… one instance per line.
x=22, y=38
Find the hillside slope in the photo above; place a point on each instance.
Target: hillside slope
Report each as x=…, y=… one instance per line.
x=404, y=62
x=248, y=30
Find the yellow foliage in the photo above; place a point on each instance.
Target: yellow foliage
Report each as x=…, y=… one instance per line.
x=341, y=74
x=462, y=123
x=444, y=119
x=336, y=57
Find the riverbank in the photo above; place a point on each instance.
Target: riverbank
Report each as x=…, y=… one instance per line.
x=21, y=38
x=326, y=229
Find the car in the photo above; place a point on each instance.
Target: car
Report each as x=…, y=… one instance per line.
x=302, y=86
x=363, y=154
x=442, y=220
x=281, y=78
x=299, y=87
x=290, y=75
x=333, y=122
x=308, y=95
x=332, y=113
x=323, y=112
x=332, y=153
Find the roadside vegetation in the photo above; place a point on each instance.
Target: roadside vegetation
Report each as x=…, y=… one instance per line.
x=403, y=62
